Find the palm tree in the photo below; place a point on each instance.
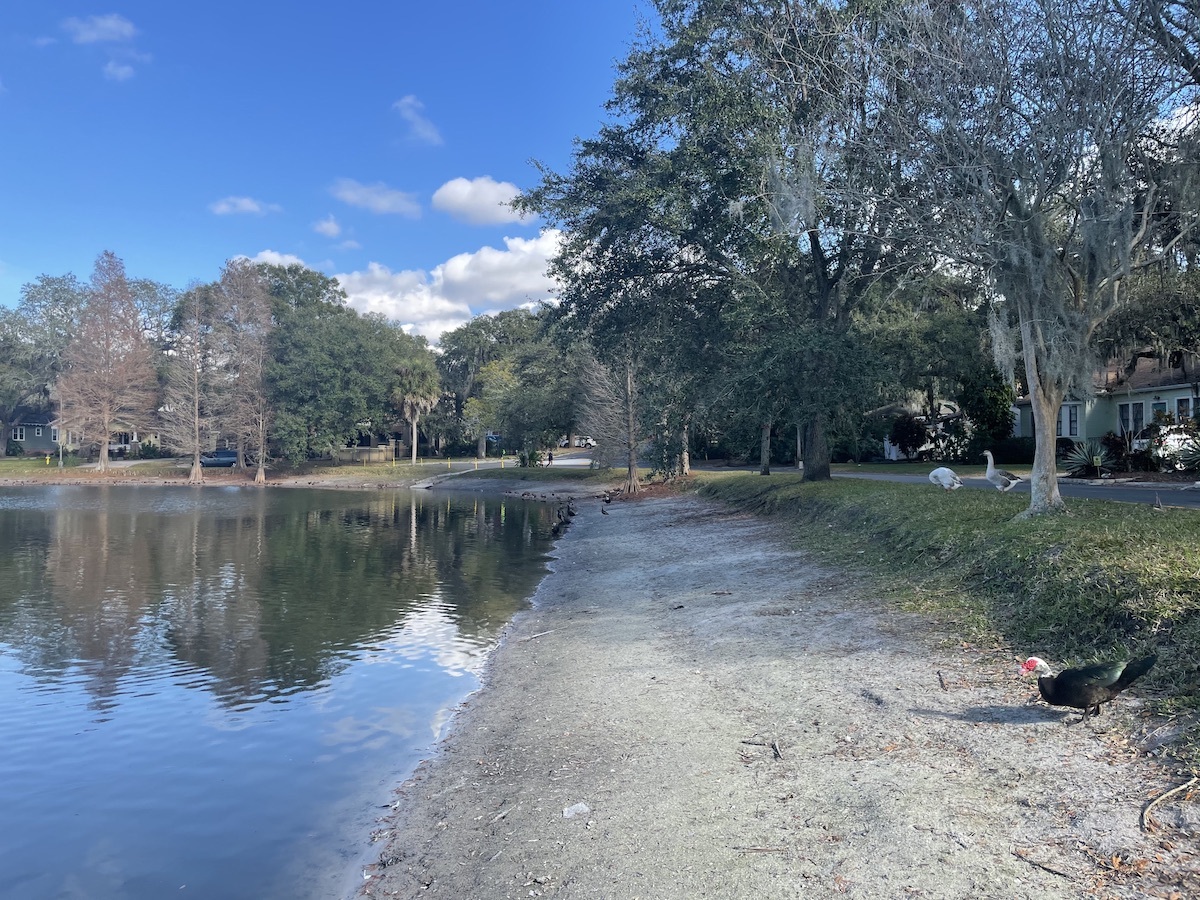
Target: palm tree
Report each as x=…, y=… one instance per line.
x=416, y=392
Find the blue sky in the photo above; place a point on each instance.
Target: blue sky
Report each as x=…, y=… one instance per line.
x=373, y=141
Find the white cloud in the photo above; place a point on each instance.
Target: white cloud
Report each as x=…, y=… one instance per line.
x=410, y=298
x=242, y=206
x=422, y=129
x=117, y=71
x=378, y=197
x=505, y=277
x=480, y=201
x=349, y=245
x=468, y=284
x=274, y=258
x=99, y=29
x=328, y=226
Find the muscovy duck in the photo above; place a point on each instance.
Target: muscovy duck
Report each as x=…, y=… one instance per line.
x=945, y=478
x=1088, y=686
x=1004, y=481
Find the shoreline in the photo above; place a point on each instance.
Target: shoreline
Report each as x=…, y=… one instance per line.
x=693, y=707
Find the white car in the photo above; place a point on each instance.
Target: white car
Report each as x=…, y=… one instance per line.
x=1165, y=443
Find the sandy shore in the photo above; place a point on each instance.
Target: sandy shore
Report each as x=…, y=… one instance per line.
x=693, y=708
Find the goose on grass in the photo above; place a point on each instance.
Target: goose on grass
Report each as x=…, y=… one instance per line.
x=1004, y=481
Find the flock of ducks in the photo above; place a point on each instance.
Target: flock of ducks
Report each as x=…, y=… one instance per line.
x=1003, y=480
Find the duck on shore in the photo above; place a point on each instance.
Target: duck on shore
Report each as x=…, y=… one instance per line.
x=1087, y=687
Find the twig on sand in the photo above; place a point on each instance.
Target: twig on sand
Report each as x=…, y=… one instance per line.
x=1147, y=822
x=538, y=635
x=775, y=747
x=942, y=679
x=502, y=815
x=1045, y=868
x=761, y=849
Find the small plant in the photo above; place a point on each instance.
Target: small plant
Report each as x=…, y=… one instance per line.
x=1189, y=455
x=1081, y=460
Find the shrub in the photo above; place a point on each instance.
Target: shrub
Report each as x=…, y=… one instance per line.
x=1080, y=461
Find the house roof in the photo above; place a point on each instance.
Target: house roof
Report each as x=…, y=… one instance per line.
x=1148, y=373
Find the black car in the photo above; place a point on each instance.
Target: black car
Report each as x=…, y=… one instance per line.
x=221, y=459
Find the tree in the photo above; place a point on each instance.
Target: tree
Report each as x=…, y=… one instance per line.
x=191, y=394
x=1029, y=126
x=32, y=340
x=244, y=307
x=109, y=379
x=415, y=392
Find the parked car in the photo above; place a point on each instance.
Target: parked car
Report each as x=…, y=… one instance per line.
x=221, y=459
x=1165, y=443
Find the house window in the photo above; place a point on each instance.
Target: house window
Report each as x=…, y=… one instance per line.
x=37, y=431
x=1073, y=420
x=18, y=433
x=1156, y=408
x=1183, y=409
x=1132, y=416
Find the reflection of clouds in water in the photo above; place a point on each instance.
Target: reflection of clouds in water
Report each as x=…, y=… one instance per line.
x=430, y=632
x=374, y=732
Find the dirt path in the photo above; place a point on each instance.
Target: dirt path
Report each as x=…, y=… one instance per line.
x=694, y=709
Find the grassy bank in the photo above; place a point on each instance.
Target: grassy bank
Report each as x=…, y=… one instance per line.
x=1108, y=579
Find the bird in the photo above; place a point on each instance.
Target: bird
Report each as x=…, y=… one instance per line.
x=946, y=478
x=604, y=510
x=1088, y=686
x=1004, y=481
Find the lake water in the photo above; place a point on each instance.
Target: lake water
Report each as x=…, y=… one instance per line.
x=211, y=692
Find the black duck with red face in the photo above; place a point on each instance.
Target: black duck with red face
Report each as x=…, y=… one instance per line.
x=1087, y=687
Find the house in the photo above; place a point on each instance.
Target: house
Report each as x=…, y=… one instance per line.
x=1125, y=398
x=34, y=433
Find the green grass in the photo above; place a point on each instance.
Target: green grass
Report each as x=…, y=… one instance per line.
x=1107, y=579
x=19, y=466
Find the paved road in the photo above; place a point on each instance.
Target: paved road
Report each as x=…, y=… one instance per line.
x=1183, y=495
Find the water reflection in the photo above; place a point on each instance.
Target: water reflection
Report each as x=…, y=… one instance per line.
x=220, y=651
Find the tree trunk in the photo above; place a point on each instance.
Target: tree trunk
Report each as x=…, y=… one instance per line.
x=799, y=447
x=481, y=446
x=764, y=450
x=1045, y=399
x=102, y=458
x=816, y=449
x=631, y=477
x=260, y=474
x=685, y=455
x=414, y=440
x=196, y=475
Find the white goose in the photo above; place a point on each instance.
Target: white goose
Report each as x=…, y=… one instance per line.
x=1004, y=481
x=945, y=478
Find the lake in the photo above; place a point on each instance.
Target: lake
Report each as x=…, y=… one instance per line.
x=212, y=692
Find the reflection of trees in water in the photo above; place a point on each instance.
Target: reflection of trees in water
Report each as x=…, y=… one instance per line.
x=267, y=599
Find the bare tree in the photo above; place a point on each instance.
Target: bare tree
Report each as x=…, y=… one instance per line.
x=190, y=394
x=611, y=415
x=245, y=308
x=109, y=380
